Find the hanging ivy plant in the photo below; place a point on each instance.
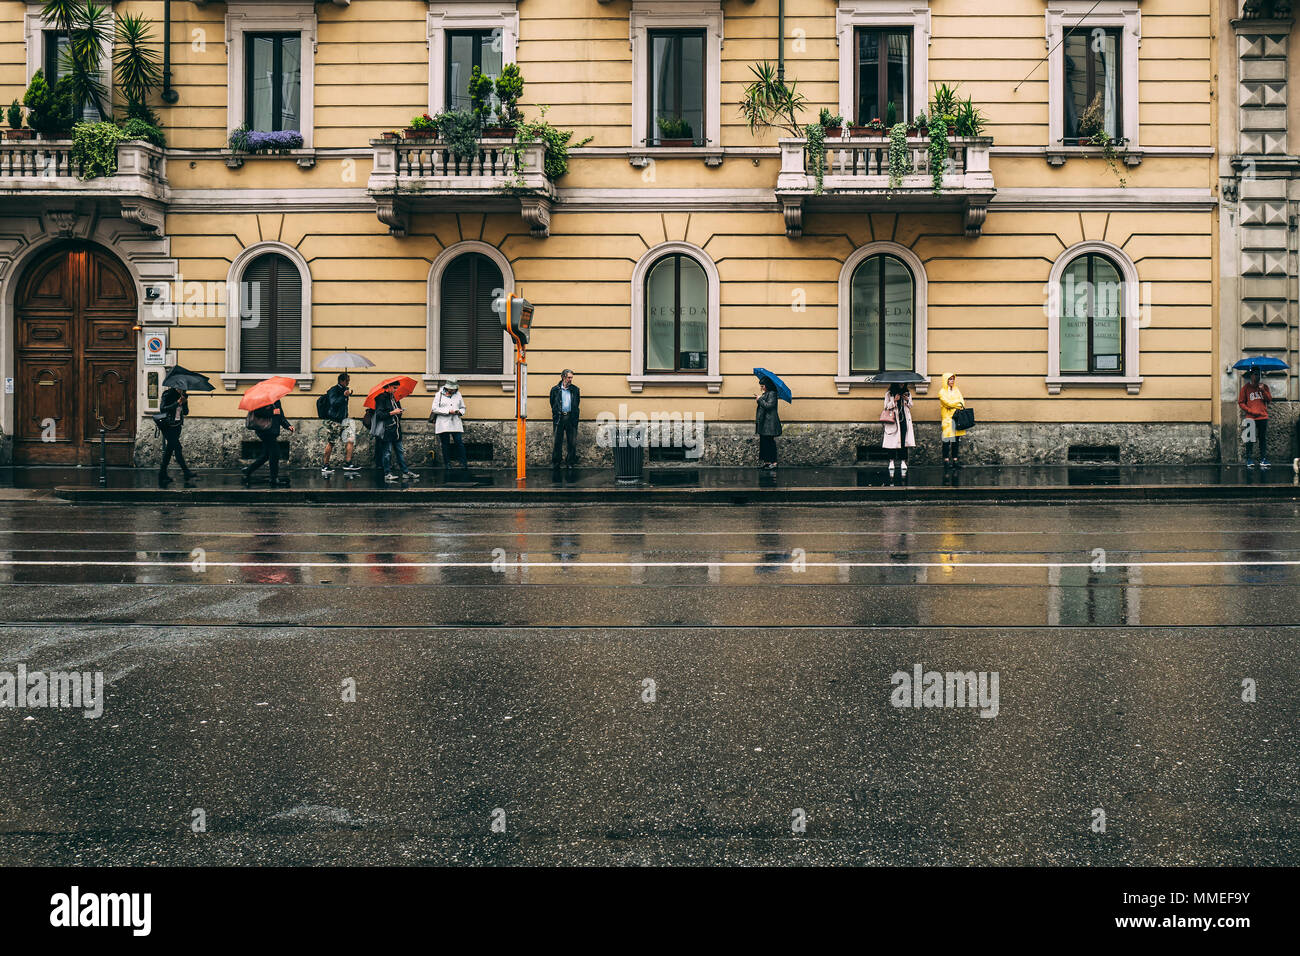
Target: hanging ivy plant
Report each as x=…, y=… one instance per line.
x=900, y=157
x=94, y=149
x=816, y=152
x=938, y=151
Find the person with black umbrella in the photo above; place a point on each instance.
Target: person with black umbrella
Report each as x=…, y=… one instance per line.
x=172, y=409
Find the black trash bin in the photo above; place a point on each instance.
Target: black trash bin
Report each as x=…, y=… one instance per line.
x=629, y=453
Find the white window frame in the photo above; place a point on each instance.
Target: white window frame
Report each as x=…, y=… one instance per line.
x=1061, y=15
x=920, y=334
x=234, y=375
x=34, y=27
x=465, y=15
x=639, y=378
x=433, y=376
x=287, y=16
x=851, y=14
x=1131, y=379
x=647, y=15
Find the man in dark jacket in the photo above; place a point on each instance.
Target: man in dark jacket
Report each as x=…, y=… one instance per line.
x=565, y=397
x=270, y=438
x=389, y=454
x=336, y=426
x=172, y=409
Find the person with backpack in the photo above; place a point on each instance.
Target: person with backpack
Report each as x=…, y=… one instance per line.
x=336, y=426
x=266, y=423
x=387, y=429
x=448, y=417
x=172, y=409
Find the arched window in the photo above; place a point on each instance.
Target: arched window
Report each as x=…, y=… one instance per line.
x=1091, y=292
x=1093, y=311
x=676, y=323
x=676, y=316
x=270, y=310
x=472, y=291
x=882, y=316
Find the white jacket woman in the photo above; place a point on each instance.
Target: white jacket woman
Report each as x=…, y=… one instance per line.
x=448, y=409
x=899, y=433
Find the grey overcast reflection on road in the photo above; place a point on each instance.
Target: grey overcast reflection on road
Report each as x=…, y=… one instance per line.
x=653, y=684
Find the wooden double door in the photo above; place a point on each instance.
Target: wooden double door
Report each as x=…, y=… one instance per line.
x=75, y=359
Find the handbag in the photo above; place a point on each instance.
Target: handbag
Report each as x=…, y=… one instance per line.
x=257, y=423
x=963, y=419
x=888, y=417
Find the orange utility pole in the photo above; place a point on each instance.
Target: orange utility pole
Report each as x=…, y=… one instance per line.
x=516, y=320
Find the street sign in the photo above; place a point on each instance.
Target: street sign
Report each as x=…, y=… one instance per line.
x=155, y=347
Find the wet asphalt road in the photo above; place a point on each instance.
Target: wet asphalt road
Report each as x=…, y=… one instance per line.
x=653, y=684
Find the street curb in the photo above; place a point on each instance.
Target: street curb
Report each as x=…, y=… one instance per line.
x=680, y=496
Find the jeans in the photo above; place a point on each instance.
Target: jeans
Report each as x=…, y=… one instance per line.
x=392, y=446
x=566, y=436
x=171, y=436
x=447, y=438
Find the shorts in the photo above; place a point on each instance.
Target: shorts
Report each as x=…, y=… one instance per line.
x=334, y=432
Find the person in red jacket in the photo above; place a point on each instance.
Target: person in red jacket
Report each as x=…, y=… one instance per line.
x=1253, y=400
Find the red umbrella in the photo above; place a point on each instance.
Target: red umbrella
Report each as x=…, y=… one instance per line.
x=405, y=386
x=267, y=392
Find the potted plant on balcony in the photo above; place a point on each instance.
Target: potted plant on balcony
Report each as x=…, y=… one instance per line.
x=510, y=89
x=480, y=103
x=920, y=126
x=675, y=131
x=422, y=127
x=94, y=149
x=900, y=156
x=1092, y=131
x=832, y=124
x=460, y=131
x=15, y=116
x=140, y=130
x=49, y=110
x=770, y=103
x=874, y=127
x=555, y=143
x=391, y=135
x=277, y=142
x=970, y=120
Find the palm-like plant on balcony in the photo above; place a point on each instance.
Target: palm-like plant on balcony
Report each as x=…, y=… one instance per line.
x=770, y=103
x=136, y=66
x=900, y=157
x=970, y=121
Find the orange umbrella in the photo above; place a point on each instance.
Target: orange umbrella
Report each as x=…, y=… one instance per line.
x=267, y=392
x=405, y=386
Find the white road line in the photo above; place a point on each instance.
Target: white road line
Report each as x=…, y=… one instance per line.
x=645, y=564
x=802, y=532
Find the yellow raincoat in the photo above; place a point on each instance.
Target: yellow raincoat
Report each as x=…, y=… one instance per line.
x=949, y=401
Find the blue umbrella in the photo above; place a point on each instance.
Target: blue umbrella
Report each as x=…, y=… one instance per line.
x=1264, y=363
x=782, y=390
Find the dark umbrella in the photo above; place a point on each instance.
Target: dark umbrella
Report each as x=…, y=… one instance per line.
x=1261, y=363
x=782, y=390
x=904, y=378
x=182, y=378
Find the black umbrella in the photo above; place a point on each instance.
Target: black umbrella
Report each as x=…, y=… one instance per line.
x=889, y=378
x=182, y=378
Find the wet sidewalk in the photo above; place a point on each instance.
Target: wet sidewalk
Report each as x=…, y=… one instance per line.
x=869, y=482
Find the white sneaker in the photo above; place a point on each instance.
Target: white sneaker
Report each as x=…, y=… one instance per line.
x=902, y=467
x=411, y=476
x=392, y=477
x=351, y=467
x=326, y=470
x=1295, y=465
x=891, y=468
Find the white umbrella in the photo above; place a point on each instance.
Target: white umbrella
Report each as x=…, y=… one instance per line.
x=346, y=360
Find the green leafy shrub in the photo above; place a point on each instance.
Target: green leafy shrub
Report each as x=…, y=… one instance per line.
x=830, y=120
x=94, y=149
x=674, y=127
x=460, y=130
x=510, y=90
x=480, y=95
x=556, y=142
x=423, y=121
x=816, y=153
x=49, y=111
x=938, y=151
x=140, y=129
x=900, y=157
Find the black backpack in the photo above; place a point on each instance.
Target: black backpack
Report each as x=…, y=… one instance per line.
x=323, y=406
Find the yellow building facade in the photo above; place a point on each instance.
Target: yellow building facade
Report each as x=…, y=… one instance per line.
x=1073, y=292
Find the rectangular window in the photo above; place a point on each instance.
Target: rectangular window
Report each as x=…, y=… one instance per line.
x=55, y=54
x=467, y=49
x=676, y=86
x=1094, y=91
x=884, y=75
x=273, y=85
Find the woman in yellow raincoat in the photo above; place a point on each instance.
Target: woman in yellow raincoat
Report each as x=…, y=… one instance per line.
x=949, y=401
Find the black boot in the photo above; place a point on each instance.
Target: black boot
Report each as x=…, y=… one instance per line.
x=163, y=480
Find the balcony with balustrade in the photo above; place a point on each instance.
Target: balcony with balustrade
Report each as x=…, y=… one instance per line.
x=425, y=176
x=856, y=179
x=43, y=176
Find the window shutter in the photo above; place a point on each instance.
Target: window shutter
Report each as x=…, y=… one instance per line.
x=270, y=304
x=487, y=321
x=454, y=316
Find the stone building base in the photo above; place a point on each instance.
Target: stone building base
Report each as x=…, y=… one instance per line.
x=218, y=443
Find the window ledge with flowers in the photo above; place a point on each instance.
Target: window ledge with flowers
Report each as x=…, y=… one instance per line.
x=245, y=144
